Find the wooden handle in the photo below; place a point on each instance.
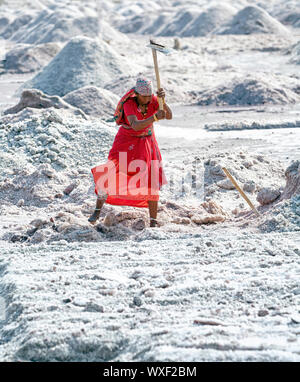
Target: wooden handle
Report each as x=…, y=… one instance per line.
x=160, y=101
x=240, y=190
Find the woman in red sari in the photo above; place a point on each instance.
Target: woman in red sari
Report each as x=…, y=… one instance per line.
x=133, y=174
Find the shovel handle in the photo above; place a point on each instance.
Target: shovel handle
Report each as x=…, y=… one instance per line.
x=240, y=190
x=160, y=101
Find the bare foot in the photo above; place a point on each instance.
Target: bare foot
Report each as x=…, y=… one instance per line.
x=153, y=222
x=92, y=219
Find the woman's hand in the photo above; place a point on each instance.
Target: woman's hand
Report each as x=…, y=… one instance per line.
x=167, y=112
x=161, y=93
x=160, y=114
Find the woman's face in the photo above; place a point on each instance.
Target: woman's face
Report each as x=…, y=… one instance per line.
x=143, y=100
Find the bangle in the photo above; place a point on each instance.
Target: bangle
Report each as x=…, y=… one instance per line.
x=155, y=117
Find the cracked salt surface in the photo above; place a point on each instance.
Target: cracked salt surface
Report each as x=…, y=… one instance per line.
x=188, y=290
x=152, y=301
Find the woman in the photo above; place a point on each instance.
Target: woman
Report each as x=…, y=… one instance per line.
x=133, y=174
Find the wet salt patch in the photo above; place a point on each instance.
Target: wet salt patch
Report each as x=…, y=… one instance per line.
x=282, y=143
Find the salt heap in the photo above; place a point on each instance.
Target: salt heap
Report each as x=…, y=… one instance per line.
x=290, y=17
x=135, y=24
x=249, y=91
x=56, y=138
x=28, y=58
x=32, y=187
x=284, y=216
x=153, y=24
x=133, y=18
x=93, y=101
x=18, y=23
x=82, y=62
x=208, y=21
x=188, y=21
x=179, y=21
x=59, y=24
x=292, y=174
x=4, y=21
x=253, y=19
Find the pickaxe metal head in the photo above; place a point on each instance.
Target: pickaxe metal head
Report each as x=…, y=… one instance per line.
x=160, y=48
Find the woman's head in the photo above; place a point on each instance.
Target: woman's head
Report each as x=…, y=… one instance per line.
x=143, y=89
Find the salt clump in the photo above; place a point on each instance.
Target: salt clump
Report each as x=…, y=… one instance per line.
x=33, y=98
x=267, y=195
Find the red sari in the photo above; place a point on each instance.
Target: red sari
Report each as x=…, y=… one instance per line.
x=133, y=174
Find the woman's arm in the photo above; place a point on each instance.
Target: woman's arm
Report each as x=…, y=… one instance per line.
x=161, y=93
x=168, y=111
x=140, y=125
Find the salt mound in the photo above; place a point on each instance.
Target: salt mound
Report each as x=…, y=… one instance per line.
x=136, y=17
x=285, y=216
x=291, y=17
x=26, y=59
x=93, y=101
x=82, y=62
x=155, y=24
x=32, y=188
x=4, y=21
x=56, y=138
x=179, y=21
x=296, y=55
x=248, y=91
x=59, y=24
x=253, y=19
x=252, y=172
x=34, y=98
x=135, y=23
x=208, y=21
x=18, y=23
x=292, y=174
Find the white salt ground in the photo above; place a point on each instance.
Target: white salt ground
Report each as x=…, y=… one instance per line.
x=189, y=290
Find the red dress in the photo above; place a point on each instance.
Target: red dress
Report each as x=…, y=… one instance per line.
x=133, y=174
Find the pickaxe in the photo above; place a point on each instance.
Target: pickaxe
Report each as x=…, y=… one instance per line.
x=161, y=48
